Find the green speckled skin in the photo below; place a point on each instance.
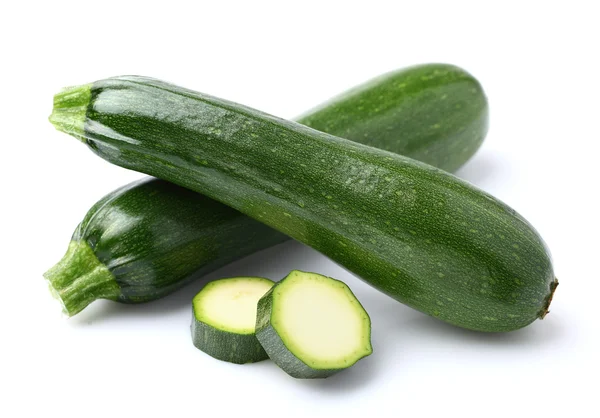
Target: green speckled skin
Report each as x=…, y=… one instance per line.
x=435, y=113
x=227, y=346
x=275, y=346
x=386, y=112
x=286, y=360
x=155, y=237
x=416, y=233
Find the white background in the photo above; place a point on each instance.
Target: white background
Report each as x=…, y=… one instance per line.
x=537, y=62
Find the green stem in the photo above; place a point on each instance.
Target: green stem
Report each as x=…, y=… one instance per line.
x=70, y=107
x=546, y=309
x=79, y=278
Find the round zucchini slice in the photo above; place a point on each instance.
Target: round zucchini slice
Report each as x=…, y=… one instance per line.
x=312, y=326
x=224, y=316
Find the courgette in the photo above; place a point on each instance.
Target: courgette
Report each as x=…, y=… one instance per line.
x=435, y=113
x=312, y=326
x=224, y=319
x=416, y=233
x=149, y=238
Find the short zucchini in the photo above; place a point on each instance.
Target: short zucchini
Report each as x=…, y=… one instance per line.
x=312, y=326
x=415, y=232
x=224, y=319
x=148, y=239
x=151, y=237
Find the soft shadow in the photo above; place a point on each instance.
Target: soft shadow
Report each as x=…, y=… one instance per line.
x=484, y=169
x=385, y=314
x=401, y=335
x=390, y=318
x=355, y=377
x=537, y=334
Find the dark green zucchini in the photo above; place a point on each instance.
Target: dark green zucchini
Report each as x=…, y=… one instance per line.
x=435, y=113
x=149, y=238
x=417, y=233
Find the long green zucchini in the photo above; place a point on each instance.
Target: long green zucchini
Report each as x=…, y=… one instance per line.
x=416, y=233
x=149, y=238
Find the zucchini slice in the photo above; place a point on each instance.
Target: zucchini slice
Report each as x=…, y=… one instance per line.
x=312, y=326
x=224, y=316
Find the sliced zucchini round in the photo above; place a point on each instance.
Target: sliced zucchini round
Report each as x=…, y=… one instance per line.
x=224, y=316
x=312, y=326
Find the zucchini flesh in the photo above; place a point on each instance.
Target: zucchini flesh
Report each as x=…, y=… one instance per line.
x=312, y=326
x=153, y=237
x=224, y=319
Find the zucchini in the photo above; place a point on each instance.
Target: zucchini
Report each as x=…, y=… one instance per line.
x=224, y=319
x=149, y=238
x=312, y=326
x=435, y=113
x=416, y=233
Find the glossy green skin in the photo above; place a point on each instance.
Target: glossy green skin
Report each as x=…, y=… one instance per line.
x=435, y=113
x=416, y=233
x=227, y=346
x=155, y=237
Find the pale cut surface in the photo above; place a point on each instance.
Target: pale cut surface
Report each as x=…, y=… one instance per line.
x=230, y=304
x=320, y=320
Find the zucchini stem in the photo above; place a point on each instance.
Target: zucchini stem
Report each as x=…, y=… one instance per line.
x=79, y=278
x=70, y=107
x=546, y=310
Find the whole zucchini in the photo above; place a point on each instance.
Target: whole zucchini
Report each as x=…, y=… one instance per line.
x=149, y=238
x=417, y=233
